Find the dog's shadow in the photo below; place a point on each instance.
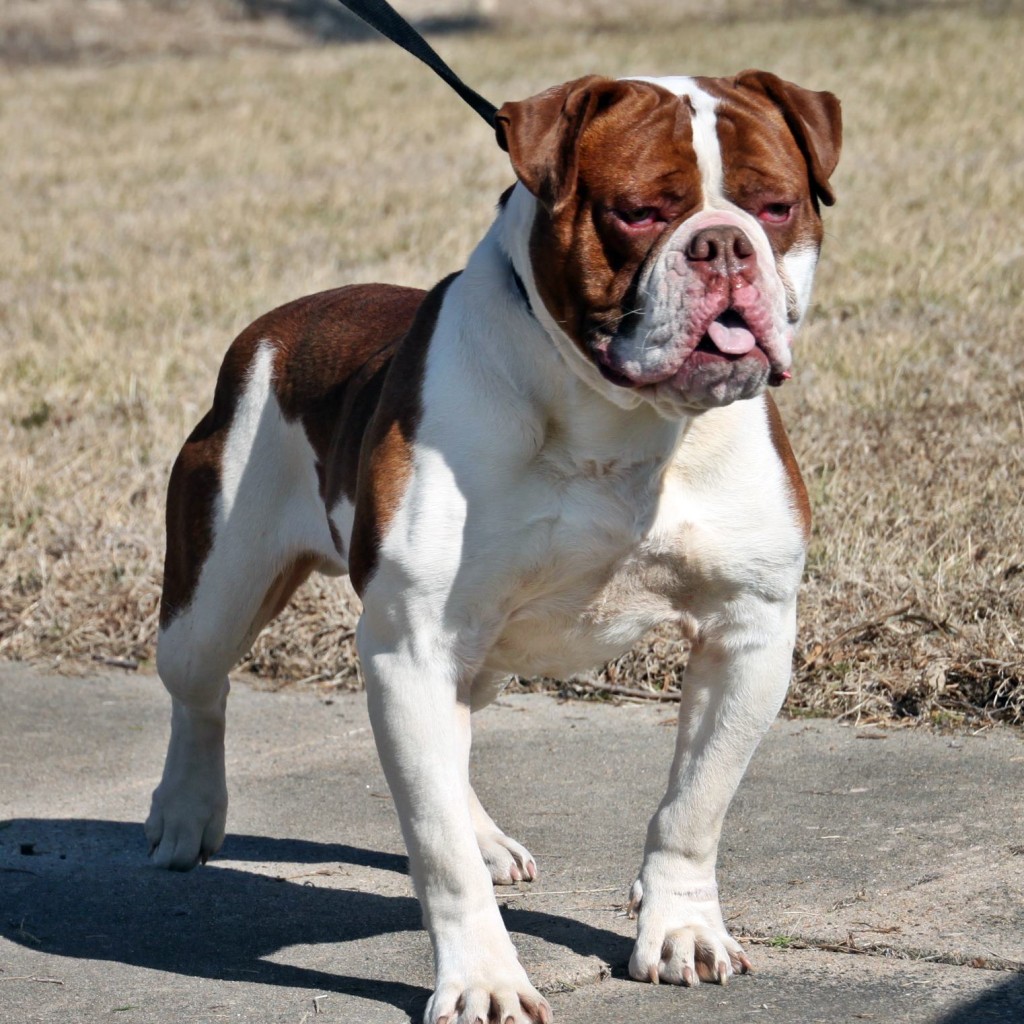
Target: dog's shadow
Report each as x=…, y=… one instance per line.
x=83, y=889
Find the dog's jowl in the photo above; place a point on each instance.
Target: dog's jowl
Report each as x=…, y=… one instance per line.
x=524, y=470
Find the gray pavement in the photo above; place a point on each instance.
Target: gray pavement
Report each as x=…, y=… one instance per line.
x=874, y=875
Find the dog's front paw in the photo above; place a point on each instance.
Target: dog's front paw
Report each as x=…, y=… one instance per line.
x=484, y=983
x=681, y=937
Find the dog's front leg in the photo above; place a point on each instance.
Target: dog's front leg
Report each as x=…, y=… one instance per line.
x=420, y=722
x=733, y=688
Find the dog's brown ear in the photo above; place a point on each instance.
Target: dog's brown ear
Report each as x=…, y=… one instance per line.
x=815, y=120
x=541, y=135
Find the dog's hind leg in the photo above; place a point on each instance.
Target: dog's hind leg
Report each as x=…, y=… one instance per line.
x=245, y=526
x=507, y=860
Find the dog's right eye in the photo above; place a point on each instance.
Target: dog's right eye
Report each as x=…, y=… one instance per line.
x=639, y=216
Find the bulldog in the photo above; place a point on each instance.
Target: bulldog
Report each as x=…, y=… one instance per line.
x=524, y=470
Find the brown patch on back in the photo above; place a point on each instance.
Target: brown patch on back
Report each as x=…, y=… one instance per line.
x=386, y=458
x=332, y=351
x=797, y=490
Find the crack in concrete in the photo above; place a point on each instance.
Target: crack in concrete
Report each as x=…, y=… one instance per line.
x=993, y=962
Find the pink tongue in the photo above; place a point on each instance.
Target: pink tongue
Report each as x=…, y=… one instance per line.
x=733, y=341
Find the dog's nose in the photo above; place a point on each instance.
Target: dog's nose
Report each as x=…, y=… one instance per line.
x=722, y=250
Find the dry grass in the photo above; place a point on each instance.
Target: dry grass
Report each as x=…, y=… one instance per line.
x=151, y=209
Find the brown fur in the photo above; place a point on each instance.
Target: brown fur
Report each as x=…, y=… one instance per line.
x=386, y=459
x=332, y=353
x=798, y=491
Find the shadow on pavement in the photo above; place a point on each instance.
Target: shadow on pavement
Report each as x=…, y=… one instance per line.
x=83, y=888
x=301, y=851
x=1003, y=1004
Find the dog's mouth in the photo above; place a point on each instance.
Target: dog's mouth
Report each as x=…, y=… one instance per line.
x=728, y=338
x=728, y=335
x=725, y=348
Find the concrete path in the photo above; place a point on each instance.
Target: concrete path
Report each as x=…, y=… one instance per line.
x=874, y=876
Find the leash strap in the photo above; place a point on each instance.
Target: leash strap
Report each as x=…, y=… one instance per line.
x=379, y=14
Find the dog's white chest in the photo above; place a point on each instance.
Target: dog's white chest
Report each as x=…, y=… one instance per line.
x=568, y=608
x=625, y=548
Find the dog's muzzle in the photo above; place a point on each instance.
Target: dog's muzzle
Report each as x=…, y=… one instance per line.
x=709, y=328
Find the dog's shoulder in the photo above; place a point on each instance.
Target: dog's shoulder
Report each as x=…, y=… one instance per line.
x=384, y=456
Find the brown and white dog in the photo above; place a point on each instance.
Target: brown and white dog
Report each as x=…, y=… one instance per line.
x=524, y=470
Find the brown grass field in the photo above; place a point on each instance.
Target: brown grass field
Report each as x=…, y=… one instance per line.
x=156, y=198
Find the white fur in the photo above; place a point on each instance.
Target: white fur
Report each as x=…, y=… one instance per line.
x=343, y=517
x=798, y=267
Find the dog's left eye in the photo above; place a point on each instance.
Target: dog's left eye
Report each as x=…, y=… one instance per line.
x=775, y=213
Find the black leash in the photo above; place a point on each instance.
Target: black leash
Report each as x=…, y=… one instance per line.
x=379, y=14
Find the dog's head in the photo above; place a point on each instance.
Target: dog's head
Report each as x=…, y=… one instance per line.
x=676, y=226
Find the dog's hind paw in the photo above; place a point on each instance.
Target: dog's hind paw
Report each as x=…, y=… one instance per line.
x=507, y=860
x=185, y=830
x=190, y=806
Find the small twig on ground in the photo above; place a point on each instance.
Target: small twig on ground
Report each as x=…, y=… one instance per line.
x=1017, y=965
x=626, y=691
x=857, y=627
x=304, y=874
x=557, y=892
x=32, y=977
x=126, y=663
x=24, y=933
